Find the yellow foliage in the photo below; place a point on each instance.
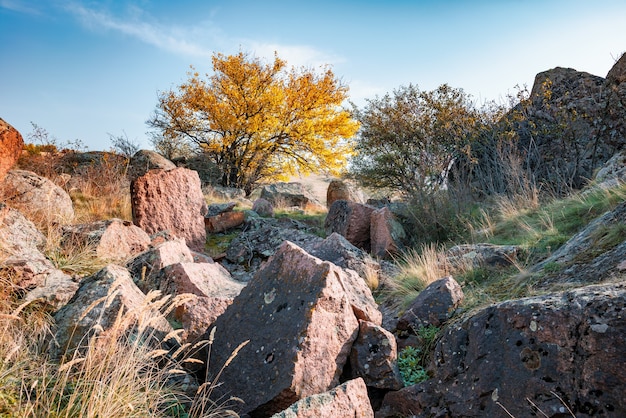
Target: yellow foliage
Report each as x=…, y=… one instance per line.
x=259, y=121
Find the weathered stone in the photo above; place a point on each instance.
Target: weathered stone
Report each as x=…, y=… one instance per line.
x=263, y=207
x=20, y=244
x=343, y=190
x=617, y=73
x=94, y=309
x=201, y=279
x=433, y=306
x=56, y=289
x=588, y=245
x=347, y=400
x=386, y=233
x=224, y=221
x=197, y=314
x=146, y=268
x=170, y=200
x=482, y=255
x=303, y=302
x=260, y=239
x=351, y=220
x=613, y=171
x=145, y=160
x=336, y=249
x=289, y=195
x=41, y=199
x=11, y=144
x=114, y=240
x=215, y=209
x=563, y=344
x=373, y=357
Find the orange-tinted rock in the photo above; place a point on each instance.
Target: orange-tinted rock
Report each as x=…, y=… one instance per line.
x=170, y=200
x=351, y=220
x=198, y=313
x=347, y=400
x=11, y=144
x=386, y=233
x=37, y=197
x=343, y=190
x=373, y=357
x=224, y=221
x=113, y=239
x=301, y=326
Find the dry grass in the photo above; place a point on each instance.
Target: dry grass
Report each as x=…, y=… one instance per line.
x=418, y=269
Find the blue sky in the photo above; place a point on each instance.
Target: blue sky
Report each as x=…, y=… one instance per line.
x=84, y=69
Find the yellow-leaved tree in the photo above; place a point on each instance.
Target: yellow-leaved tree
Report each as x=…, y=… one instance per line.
x=259, y=121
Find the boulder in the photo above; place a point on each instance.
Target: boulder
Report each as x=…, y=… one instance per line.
x=433, y=306
x=113, y=240
x=524, y=355
x=215, y=209
x=224, y=221
x=55, y=290
x=40, y=199
x=145, y=160
x=346, y=400
x=146, y=268
x=300, y=325
x=351, y=220
x=482, y=255
x=263, y=207
x=343, y=190
x=170, y=200
x=386, y=233
x=20, y=244
x=94, y=309
x=201, y=279
x=336, y=249
x=373, y=357
x=226, y=193
x=11, y=144
x=289, y=195
x=197, y=314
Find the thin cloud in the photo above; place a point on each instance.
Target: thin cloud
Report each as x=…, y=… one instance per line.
x=165, y=38
x=295, y=55
x=18, y=6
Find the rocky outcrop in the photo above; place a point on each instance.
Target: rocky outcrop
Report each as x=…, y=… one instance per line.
x=170, y=200
x=343, y=190
x=305, y=303
x=197, y=313
x=347, y=400
x=433, y=306
x=145, y=160
x=523, y=355
x=94, y=309
x=351, y=220
x=290, y=195
x=11, y=144
x=113, y=240
x=42, y=200
x=590, y=256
